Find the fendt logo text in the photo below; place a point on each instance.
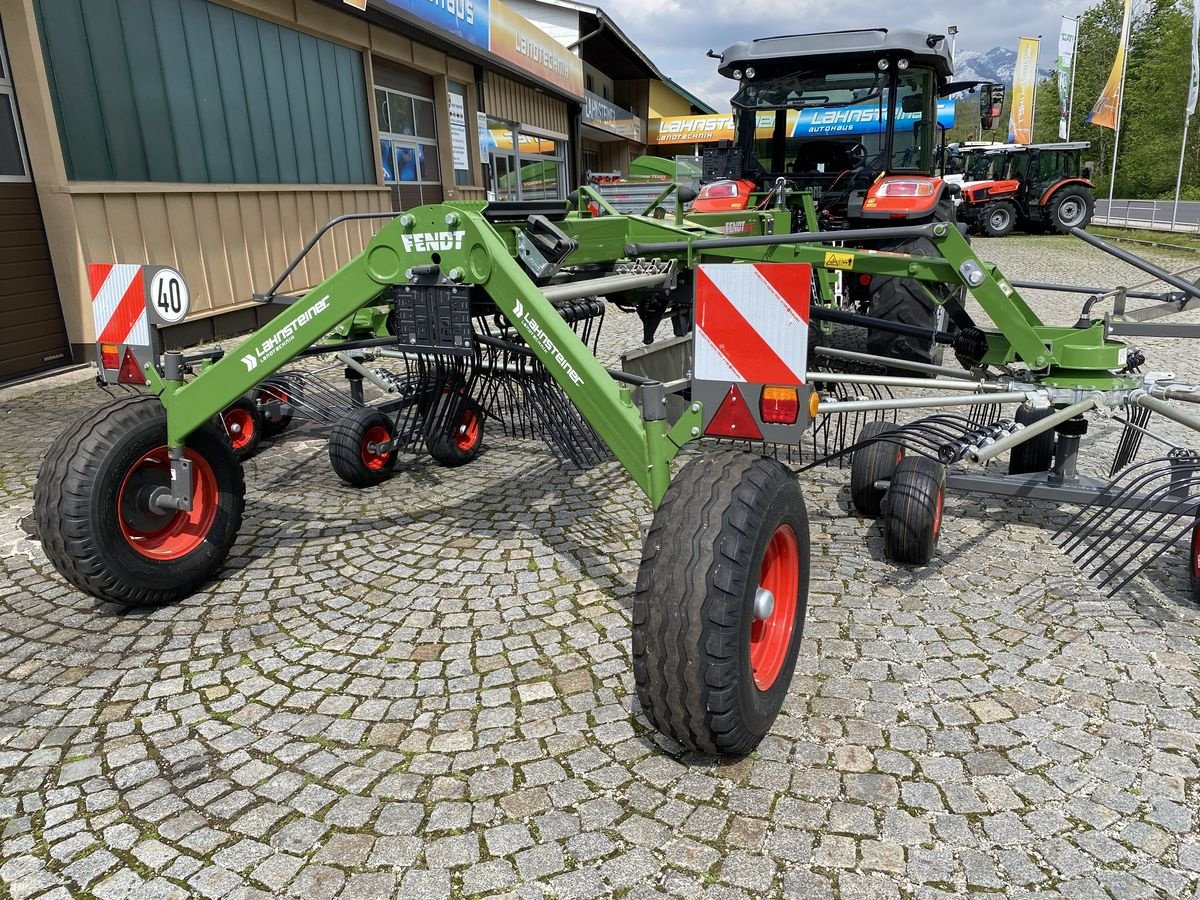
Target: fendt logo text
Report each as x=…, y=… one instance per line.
x=428, y=241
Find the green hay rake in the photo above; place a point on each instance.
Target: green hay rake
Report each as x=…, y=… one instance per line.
x=139, y=501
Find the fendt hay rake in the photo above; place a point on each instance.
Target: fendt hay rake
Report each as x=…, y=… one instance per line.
x=139, y=501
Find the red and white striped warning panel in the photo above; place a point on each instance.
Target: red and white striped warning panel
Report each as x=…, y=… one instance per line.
x=752, y=323
x=119, y=304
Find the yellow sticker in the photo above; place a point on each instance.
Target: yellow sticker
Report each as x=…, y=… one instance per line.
x=839, y=260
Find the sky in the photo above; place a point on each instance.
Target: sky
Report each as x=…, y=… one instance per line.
x=676, y=33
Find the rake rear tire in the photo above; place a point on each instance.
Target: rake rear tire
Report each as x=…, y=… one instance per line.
x=874, y=462
x=1194, y=562
x=1036, y=454
x=350, y=447
x=93, y=521
x=455, y=435
x=912, y=510
x=242, y=422
x=709, y=674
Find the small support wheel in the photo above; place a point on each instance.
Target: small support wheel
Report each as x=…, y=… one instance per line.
x=912, y=510
x=874, y=462
x=455, y=434
x=275, y=405
x=1194, y=562
x=95, y=515
x=359, y=448
x=243, y=424
x=1037, y=453
x=722, y=593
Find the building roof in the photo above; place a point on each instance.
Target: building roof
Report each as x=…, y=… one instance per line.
x=689, y=96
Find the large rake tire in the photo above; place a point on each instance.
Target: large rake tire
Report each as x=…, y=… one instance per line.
x=354, y=447
x=1037, y=453
x=93, y=516
x=712, y=656
x=912, y=510
x=455, y=435
x=874, y=462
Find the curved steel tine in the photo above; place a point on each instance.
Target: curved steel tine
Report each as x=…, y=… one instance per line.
x=1167, y=545
x=1117, y=571
x=1131, y=515
x=1092, y=511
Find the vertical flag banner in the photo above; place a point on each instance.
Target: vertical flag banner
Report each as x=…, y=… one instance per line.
x=1066, y=62
x=1104, y=113
x=1194, y=88
x=1020, y=121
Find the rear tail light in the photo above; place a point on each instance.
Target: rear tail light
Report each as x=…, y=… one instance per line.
x=719, y=190
x=110, y=357
x=780, y=405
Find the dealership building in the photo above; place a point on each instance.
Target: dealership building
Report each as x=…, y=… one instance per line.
x=218, y=137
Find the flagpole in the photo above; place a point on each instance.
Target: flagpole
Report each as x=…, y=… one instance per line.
x=1179, y=178
x=1071, y=95
x=1117, y=138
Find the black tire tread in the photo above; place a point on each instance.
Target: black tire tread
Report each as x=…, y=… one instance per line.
x=1079, y=190
x=1036, y=454
x=909, y=510
x=874, y=462
x=687, y=680
x=439, y=440
x=345, y=447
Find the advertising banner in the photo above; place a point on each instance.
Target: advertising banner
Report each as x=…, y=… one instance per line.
x=1020, y=121
x=1064, y=66
x=1194, y=85
x=600, y=113
x=458, y=132
x=516, y=39
x=863, y=118
x=466, y=19
x=1108, y=105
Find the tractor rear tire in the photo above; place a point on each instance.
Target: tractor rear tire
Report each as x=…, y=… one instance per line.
x=1071, y=207
x=351, y=453
x=876, y=461
x=903, y=300
x=912, y=510
x=455, y=435
x=722, y=593
x=242, y=422
x=997, y=219
x=1036, y=454
x=93, y=518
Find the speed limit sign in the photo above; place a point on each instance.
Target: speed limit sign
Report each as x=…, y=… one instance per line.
x=167, y=296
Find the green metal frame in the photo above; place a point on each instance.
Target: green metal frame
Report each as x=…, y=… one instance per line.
x=458, y=239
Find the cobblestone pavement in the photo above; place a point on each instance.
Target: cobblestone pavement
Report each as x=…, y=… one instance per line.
x=424, y=690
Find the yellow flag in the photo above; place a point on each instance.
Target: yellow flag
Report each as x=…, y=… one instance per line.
x=1020, y=118
x=1107, y=108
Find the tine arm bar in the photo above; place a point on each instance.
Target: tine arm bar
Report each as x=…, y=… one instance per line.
x=991, y=451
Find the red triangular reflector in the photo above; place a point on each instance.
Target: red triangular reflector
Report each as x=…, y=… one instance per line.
x=131, y=372
x=734, y=418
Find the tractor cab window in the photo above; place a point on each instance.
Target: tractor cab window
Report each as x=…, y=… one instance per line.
x=1057, y=164
x=916, y=124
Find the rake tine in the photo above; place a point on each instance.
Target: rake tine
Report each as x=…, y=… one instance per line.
x=1157, y=553
x=1129, y=515
x=1109, y=490
x=1107, y=564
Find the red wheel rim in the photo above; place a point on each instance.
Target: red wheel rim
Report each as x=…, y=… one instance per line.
x=937, y=512
x=239, y=423
x=770, y=637
x=274, y=395
x=170, y=535
x=376, y=434
x=467, y=432
x=1196, y=549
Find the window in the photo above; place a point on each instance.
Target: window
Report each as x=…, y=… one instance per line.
x=407, y=138
x=542, y=170
x=589, y=83
x=13, y=165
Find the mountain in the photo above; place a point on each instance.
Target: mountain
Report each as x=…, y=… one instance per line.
x=997, y=64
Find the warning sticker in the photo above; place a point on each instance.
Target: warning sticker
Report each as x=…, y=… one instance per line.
x=839, y=260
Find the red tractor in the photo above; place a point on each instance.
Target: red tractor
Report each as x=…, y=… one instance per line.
x=1040, y=187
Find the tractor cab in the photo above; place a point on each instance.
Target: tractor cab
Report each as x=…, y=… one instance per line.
x=848, y=116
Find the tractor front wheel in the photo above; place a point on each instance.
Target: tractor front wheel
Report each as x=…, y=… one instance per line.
x=912, y=510
x=998, y=219
x=360, y=447
x=722, y=592
x=95, y=515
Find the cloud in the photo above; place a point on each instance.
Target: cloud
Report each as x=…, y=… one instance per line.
x=676, y=33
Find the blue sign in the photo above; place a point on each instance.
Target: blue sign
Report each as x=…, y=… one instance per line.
x=465, y=19
x=863, y=118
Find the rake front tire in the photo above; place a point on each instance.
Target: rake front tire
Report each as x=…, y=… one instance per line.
x=1037, y=453
x=356, y=450
x=874, y=462
x=242, y=422
x=1194, y=562
x=712, y=657
x=912, y=510
x=93, y=515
